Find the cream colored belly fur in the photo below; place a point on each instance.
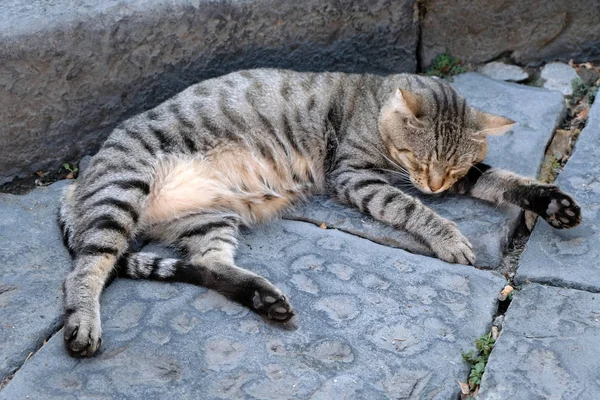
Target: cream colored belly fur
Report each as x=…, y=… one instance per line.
x=232, y=180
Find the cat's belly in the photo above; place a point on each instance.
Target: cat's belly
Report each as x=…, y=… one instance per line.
x=235, y=180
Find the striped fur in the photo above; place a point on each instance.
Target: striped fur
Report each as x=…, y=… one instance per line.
x=240, y=149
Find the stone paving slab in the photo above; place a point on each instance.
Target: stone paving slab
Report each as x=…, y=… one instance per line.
x=373, y=322
x=571, y=257
x=33, y=264
x=489, y=228
x=549, y=347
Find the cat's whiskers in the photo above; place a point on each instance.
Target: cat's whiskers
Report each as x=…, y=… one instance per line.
x=410, y=190
x=394, y=163
x=401, y=174
x=475, y=166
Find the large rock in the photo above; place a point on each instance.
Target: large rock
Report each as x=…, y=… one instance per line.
x=528, y=31
x=33, y=264
x=549, y=347
x=372, y=322
x=489, y=228
x=570, y=257
x=71, y=70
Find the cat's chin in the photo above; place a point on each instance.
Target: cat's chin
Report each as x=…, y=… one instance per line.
x=429, y=191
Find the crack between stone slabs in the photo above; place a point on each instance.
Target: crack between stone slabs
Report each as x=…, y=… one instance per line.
x=5, y=380
x=559, y=283
x=501, y=309
x=508, y=265
x=419, y=11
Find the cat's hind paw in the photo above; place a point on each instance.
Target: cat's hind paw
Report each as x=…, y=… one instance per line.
x=270, y=302
x=82, y=333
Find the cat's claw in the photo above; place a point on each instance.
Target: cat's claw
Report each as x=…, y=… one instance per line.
x=454, y=248
x=82, y=333
x=557, y=208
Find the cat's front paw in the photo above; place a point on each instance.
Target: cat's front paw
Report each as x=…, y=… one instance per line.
x=82, y=332
x=556, y=207
x=453, y=247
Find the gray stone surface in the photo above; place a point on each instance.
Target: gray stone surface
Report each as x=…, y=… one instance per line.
x=71, y=71
x=549, y=347
x=529, y=32
x=503, y=72
x=571, y=257
x=372, y=322
x=84, y=163
x=33, y=264
x=489, y=228
x=559, y=76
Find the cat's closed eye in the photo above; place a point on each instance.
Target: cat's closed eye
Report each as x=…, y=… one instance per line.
x=456, y=171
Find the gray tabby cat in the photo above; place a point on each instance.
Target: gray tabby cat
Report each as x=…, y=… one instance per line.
x=239, y=149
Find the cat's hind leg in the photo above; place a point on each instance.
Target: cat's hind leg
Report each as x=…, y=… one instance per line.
x=98, y=224
x=209, y=241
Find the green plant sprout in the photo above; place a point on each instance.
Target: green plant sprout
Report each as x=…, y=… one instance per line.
x=445, y=65
x=71, y=168
x=484, y=346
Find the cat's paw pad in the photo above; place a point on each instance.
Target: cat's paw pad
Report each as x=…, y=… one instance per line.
x=558, y=208
x=454, y=248
x=270, y=302
x=82, y=333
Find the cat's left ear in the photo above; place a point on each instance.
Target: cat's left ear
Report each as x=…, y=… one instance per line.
x=407, y=103
x=490, y=124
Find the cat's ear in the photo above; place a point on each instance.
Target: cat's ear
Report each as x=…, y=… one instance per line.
x=492, y=125
x=407, y=103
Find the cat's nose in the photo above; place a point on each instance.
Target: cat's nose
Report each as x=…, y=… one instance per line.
x=435, y=184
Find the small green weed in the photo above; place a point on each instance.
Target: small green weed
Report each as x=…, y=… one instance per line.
x=71, y=168
x=445, y=65
x=484, y=346
x=583, y=92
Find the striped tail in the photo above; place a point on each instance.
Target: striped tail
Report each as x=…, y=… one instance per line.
x=154, y=267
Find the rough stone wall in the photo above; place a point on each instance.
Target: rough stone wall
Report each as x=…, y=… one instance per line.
x=530, y=32
x=69, y=72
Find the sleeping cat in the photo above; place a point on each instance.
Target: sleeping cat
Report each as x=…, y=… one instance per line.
x=239, y=149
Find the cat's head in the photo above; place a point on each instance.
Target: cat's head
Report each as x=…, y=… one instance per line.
x=433, y=134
